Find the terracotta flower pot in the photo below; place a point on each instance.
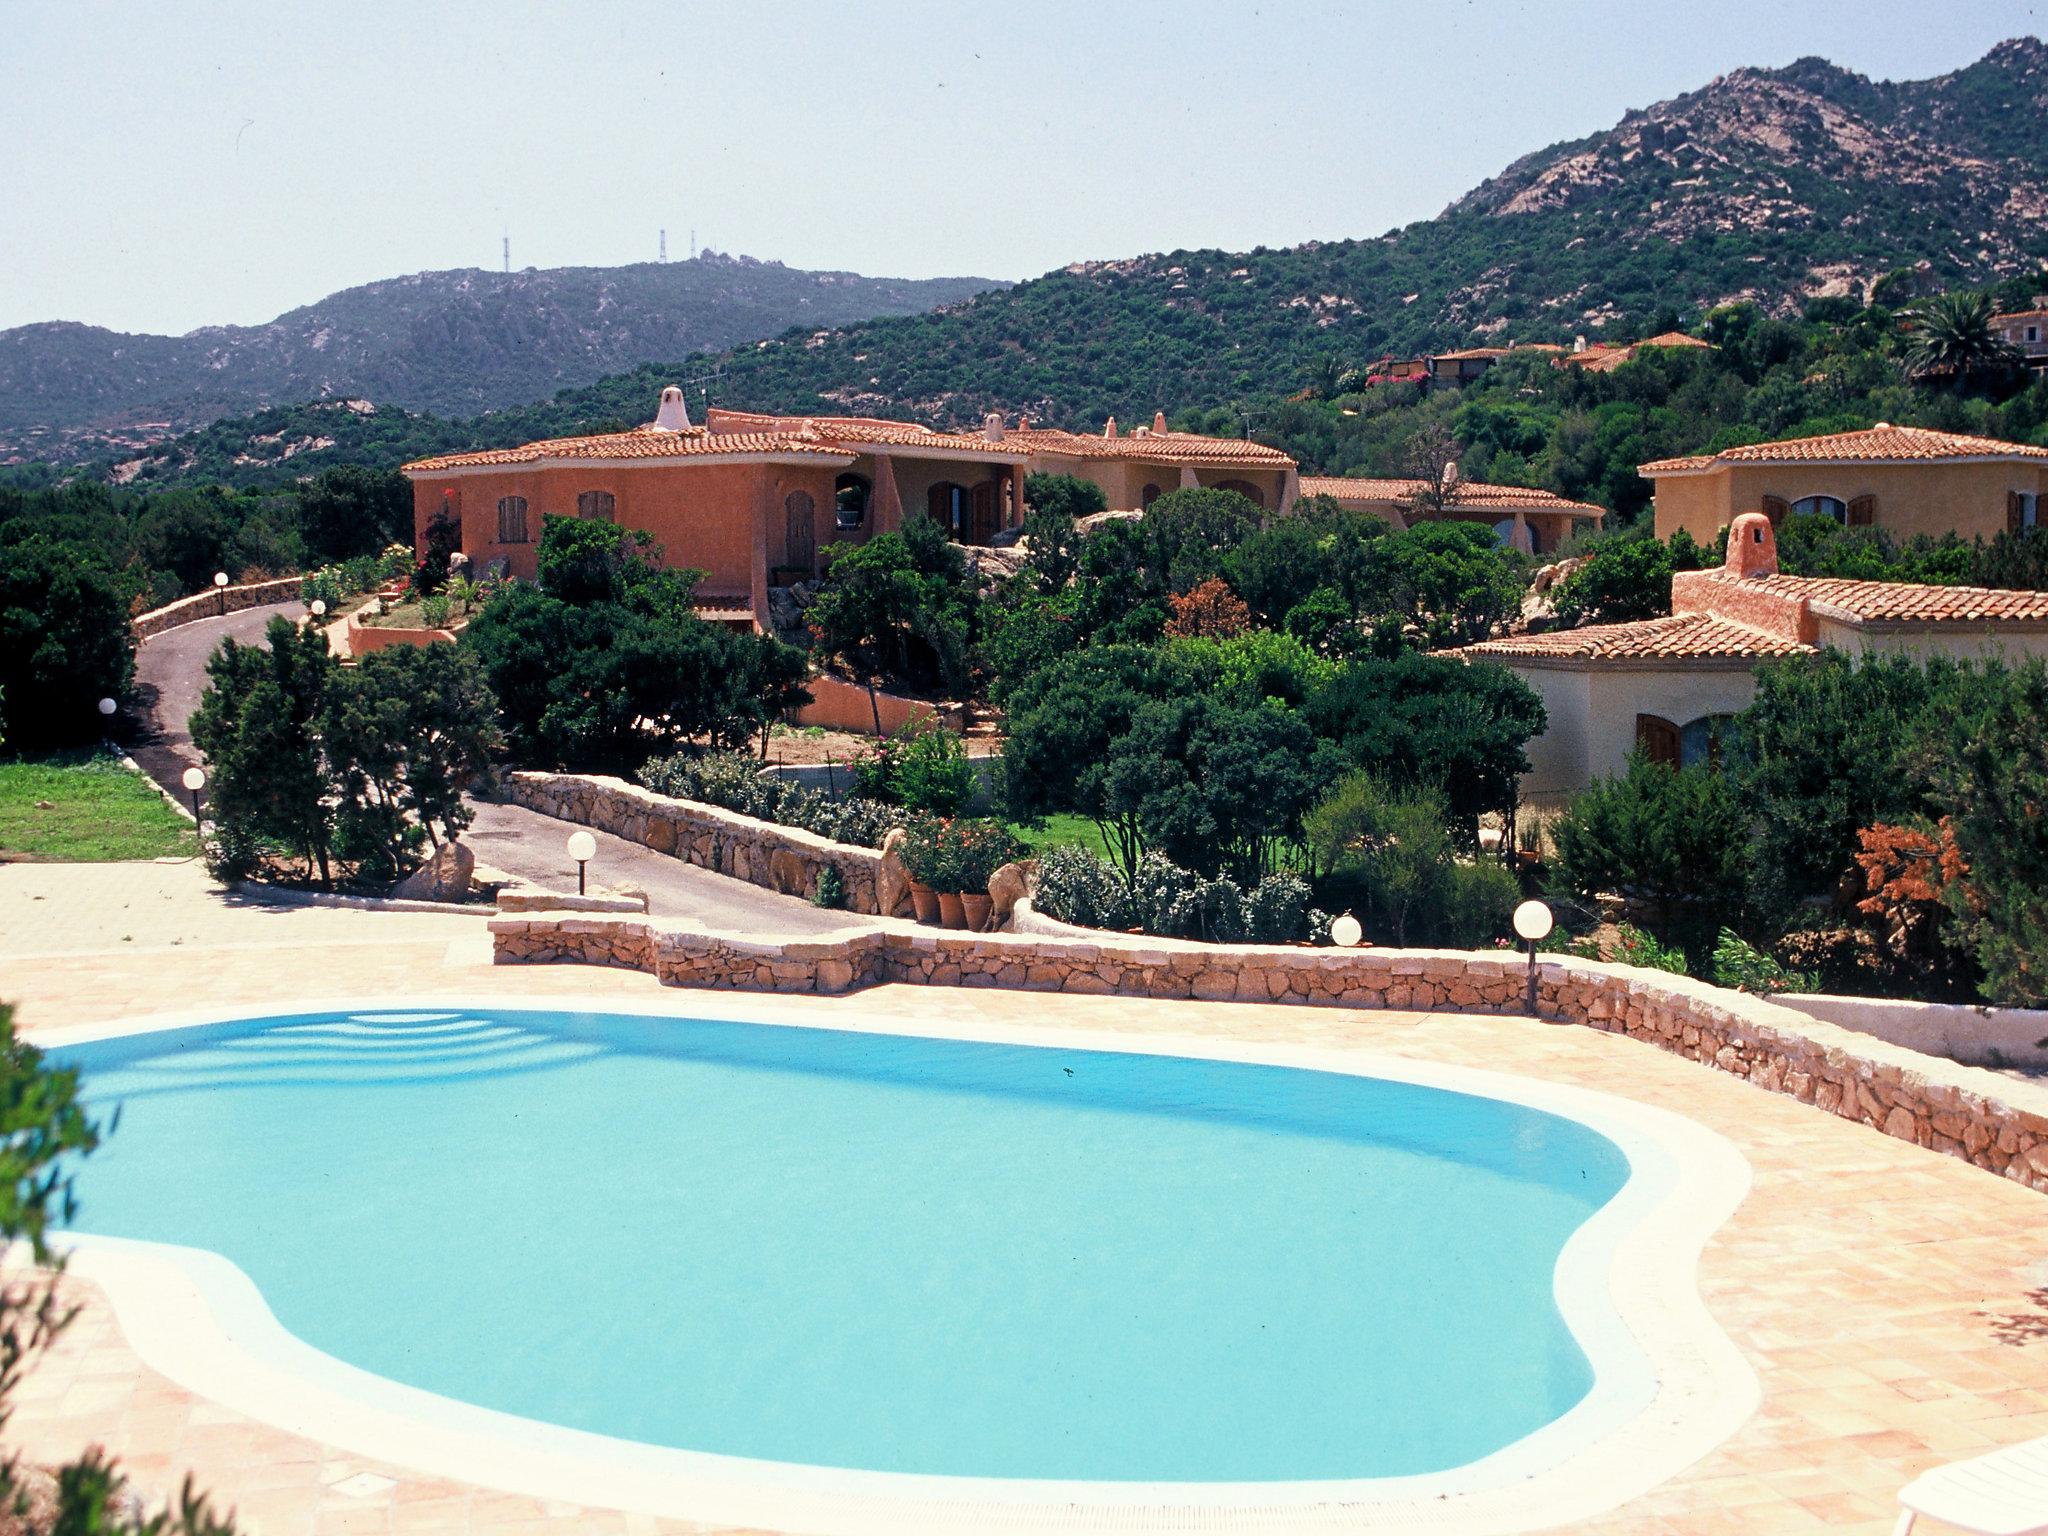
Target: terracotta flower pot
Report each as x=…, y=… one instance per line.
x=924, y=903
x=951, y=913
x=977, y=905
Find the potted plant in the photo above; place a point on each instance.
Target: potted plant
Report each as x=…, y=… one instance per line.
x=1528, y=844
x=923, y=856
x=986, y=846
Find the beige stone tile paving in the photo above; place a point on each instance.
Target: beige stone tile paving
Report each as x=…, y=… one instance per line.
x=1894, y=1302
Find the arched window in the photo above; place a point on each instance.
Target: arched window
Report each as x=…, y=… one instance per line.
x=1658, y=739
x=849, y=502
x=1246, y=489
x=1504, y=535
x=1707, y=740
x=512, y=520
x=1822, y=506
x=950, y=506
x=1149, y=495
x=598, y=506
x=799, y=531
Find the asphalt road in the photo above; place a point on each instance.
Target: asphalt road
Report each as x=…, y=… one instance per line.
x=531, y=846
x=170, y=672
x=170, y=675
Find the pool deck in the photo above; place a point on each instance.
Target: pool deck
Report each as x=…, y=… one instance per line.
x=1893, y=1302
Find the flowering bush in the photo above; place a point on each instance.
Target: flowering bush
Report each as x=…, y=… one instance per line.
x=733, y=781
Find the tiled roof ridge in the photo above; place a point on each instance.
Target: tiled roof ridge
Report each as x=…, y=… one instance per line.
x=1898, y=601
x=1677, y=636
x=1881, y=442
x=1482, y=491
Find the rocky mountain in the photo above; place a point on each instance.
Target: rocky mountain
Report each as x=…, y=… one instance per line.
x=1776, y=186
x=449, y=342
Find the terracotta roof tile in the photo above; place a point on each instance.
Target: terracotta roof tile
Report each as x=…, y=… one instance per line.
x=1696, y=636
x=640, y=443
x=1882, y=443
x=852, y=431
x=1907, y=602
x=1149, y=447
x=1472, y=494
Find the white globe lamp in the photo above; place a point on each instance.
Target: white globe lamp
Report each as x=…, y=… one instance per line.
x=1533, y=923
x=582, y=848
x=1347, y=931
x=194, y=780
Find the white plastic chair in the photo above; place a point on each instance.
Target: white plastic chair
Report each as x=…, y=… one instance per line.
x=2004, y=1493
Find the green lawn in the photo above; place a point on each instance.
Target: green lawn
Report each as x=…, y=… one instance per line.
x=98, y=811
x=1065, y=829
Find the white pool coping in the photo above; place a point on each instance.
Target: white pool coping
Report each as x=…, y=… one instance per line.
x=1669, y=1384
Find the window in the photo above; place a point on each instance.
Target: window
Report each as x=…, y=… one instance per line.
x=598, y=506
x=849, y=502
x=1706, y=740
x=2033, y=333
x=948, y=505
x=1149, y=495
x=511, y=519
x=1822, y=506
x=2022, y=511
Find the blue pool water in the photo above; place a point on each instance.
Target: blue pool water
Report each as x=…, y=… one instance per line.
x=873, y=1251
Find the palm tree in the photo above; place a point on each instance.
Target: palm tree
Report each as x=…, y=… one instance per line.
x=1950, y=338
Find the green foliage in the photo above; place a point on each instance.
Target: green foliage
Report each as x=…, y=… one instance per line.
x=1987, y=760
x=350, y=511
x=65, y=643
x=1451, y=580
x=1748, y=969
x=621, y=669
x=1075, y=886
x=408, y=732
x=1190, y=533
x=1625, y=580
x=1387, y=852
x=1670, y=834
x=316, y=762
x=897, y=610
x=258, y=727
x=1428, y=722
x=1162, y=898
x=830, y=892
x=734, y=781
x=1950, y=338
x=1632, y=946
x=932, y=772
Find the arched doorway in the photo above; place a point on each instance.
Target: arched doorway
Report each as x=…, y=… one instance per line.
x=1246, y=489
x=850, y=502
x=951, y=507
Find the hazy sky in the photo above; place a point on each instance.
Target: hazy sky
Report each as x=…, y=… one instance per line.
x=165, y=165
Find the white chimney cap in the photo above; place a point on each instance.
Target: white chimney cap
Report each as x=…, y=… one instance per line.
x=673, y=415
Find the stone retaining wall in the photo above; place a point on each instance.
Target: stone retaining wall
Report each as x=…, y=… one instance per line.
x=785, y=859
x=212, y=604
x=1999, y=1123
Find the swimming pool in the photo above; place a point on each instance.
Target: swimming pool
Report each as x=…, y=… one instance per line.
x=891, y=1253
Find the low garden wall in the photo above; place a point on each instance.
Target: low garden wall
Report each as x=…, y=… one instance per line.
x=210, y=605
x=838, y=705
x=1984, y=1037
x=785, y=859
x=364, y=638
x=1998, y=1123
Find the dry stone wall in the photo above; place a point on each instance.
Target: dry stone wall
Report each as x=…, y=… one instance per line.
x=208, y=605
x=1998, y=1122
x=785, y=859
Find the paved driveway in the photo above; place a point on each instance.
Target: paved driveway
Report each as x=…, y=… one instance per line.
x=170, y=673
x=527, y=844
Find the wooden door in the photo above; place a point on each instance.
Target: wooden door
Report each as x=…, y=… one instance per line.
x=800, y=531
x=1658, y=738
x=982, y=519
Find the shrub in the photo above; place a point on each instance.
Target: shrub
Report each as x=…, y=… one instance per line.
x=931, y=771
x=831, y=889
x=985, y=847
x=932, y=855
x=1632, y=946
x=1075, y=886
x=65, y=643
x=1277, y=910
x=323, y=586
x=733, y=781
x=437, y=610
x=1662, y=832
x=1748, y=969
x=1481, y=904
x=1159, y=890
x=1210, y=611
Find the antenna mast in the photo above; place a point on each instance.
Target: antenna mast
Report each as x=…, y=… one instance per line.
x=508, y=253
x=664, y=245
x=693, y=244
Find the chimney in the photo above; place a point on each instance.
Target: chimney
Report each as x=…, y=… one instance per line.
x=1158, y=421
x=1023, y=422
x=1109, y=430
x=1752, y=547
x=1578, y=345
x=992, y=426
x=672, y=415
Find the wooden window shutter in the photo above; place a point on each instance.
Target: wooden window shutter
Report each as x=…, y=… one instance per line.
x=1658, y=738
x=2015, y=512
x=1777, y=509
x=1862, y=511
x=938, y=505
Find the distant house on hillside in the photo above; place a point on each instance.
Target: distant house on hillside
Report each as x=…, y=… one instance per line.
x=1135, y=468
x=1457, y=369
x=754, y=500
x=1670, y=685
x=1605, y=357
x=1521, y=517
x=1903, y=480
x=2026, y=332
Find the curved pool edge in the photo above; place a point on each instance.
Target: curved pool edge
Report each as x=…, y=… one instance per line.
x=1669, y=1384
